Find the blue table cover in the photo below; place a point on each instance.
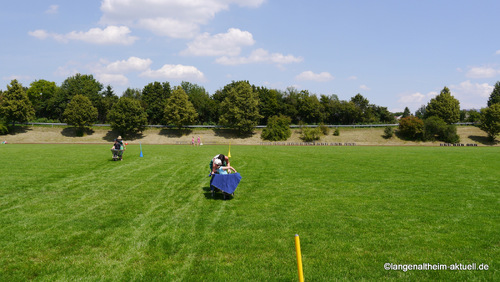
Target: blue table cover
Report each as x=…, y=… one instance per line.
x=226, y=182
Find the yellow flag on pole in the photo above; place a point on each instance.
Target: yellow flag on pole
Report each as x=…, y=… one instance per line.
x=229, y=154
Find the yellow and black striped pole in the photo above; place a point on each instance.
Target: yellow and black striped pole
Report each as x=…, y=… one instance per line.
x=299, y=258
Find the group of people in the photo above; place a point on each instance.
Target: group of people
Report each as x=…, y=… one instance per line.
x=220, y=165
x=197, y=143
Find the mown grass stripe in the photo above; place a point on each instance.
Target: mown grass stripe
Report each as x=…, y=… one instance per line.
x=82, y=216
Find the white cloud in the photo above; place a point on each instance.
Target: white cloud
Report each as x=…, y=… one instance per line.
x=318, y=77
x=472, y=89
x=220, y=44
x=178, y=72
x=364, y=87
x=249, y=3
x=53, y=9
x=259, y=56
x=472, y=95
x=414, y=100
x=174, y=18
x=116, y=79
x=482, y=72
x=352, y=77
x=497, y=52
x=40, y=34
x=114, y=72
x=109, y=35
x=169, y=27
x=131, y=64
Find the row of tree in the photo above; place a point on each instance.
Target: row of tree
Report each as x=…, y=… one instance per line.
x=435, y=120
x=82, y=101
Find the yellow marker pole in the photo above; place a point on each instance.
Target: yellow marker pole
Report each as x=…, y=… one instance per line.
x=299, y=258
x=229, y=154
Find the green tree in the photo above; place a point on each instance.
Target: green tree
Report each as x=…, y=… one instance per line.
x=328, y=106
x=128, y=116
x=277, y=129
x=240, y=109
x=388, y=132
x=406, y=112
x=3, y=127
x=78, y=84
x=347, y=113
x=41, y=93
x=154, y=96
x=383, y=115
x=308, y=107
x=133, y=93
x=80, y=113
x=309, y=134
x=495, y=95
x=179, y=111
x=364, y=109
x=291, y=104
x=15, y=105
x=490, y=120
x=269, y=103
x=411, y=128
x=444, y=106
x=420, y=113
x=463, y=115
x=436, y=129
x=473, y=116
x=221, y=94
x=199, y=97
x=105, y=104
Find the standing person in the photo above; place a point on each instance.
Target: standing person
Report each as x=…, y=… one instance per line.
x=192, y=141
x=224, y=161
x=199, y=140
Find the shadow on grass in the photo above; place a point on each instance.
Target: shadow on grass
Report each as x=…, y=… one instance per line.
x=483, y=140
x=115, y=161
x=403, y=137
x=217, y=195
x=18, y=129
x=76, y=132
x=113, y=134
x=231, y=133
x=175, y=132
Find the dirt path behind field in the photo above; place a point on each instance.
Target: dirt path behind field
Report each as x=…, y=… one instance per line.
x=359, y=136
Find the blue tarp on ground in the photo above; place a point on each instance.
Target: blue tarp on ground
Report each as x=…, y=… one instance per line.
x=226, y=182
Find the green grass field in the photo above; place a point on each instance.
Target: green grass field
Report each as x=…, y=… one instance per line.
x=68, y=212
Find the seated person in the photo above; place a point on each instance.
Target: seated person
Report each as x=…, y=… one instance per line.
x=116, y=145
x=120, y=141
x=118, y=148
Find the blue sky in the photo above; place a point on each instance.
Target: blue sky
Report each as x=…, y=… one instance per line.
x=395, y=53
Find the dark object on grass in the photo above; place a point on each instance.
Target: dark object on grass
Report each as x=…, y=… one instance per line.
x=117, y=154
x=225, y=183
